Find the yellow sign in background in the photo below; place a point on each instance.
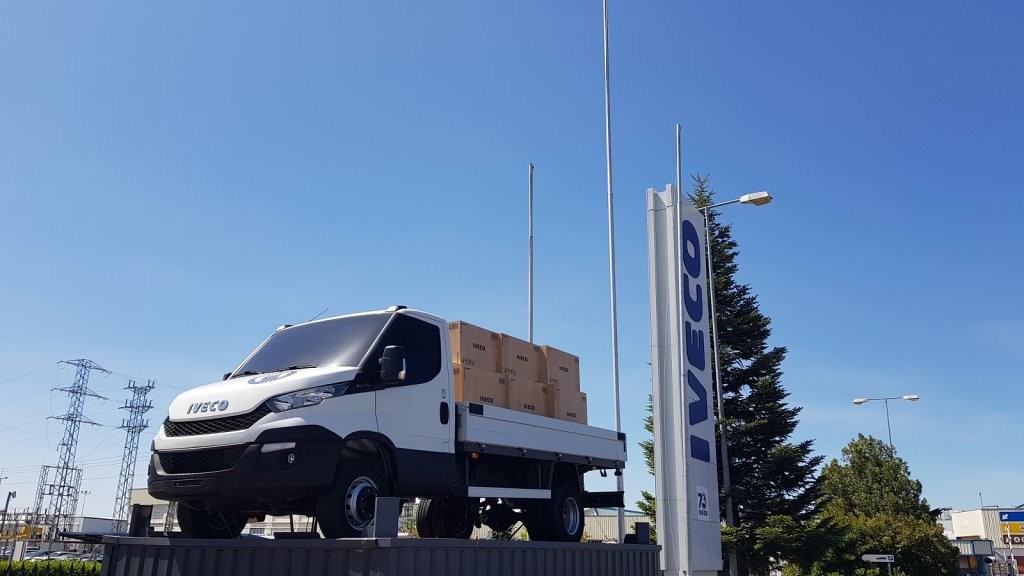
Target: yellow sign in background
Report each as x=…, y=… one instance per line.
x=1011, y=527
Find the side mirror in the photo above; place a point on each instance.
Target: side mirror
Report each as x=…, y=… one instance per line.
x=392, y=364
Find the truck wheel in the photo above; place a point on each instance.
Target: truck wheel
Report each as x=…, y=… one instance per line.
x=425, y=519
x=454, y=517
x=196, y=522
x=347, y=508
x=562, y=516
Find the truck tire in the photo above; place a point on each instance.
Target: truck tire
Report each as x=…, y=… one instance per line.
x=445, y=518
x=454, y=517
x=347, y=508
x=425, y=518
x=559, y=519
x=197, y=522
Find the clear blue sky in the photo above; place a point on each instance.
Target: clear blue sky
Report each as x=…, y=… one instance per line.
x=179, y=179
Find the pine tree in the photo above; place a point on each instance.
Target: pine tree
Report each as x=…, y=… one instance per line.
x=774, y=487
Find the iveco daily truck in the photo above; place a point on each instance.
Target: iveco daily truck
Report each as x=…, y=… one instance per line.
x=326, y=416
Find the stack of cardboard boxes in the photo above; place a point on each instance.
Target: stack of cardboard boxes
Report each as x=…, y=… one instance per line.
x=505, y=371
x=476, y=355
x=563, y=377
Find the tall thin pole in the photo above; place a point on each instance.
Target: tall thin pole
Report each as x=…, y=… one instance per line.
x=1009, y=544
x=3, y=523
x=888, y=426
x=730, y=519
x=679, y=158
x=529, y=274
x=611, y=257
x=84, y=494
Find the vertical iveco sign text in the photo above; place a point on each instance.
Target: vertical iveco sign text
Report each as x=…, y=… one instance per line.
x=684, y=430
x=694, y=337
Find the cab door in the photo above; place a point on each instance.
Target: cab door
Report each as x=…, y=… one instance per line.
x=417, y=413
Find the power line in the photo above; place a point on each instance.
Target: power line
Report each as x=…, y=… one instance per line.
x=28, y=374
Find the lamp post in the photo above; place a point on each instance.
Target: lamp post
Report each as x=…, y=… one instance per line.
x=3, y=522
x=885, y=399
x=84, y=494
x=754, y=199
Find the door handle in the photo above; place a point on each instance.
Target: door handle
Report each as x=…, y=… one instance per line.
x=444, y=413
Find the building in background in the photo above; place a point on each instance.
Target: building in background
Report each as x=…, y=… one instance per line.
x=986, y=524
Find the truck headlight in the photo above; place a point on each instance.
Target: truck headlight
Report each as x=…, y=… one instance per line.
x=303, y=398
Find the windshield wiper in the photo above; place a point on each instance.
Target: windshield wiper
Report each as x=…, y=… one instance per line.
x=301, y=366
x=247, y=373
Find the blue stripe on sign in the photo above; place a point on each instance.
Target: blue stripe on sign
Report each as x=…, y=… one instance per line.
x=1011, y=516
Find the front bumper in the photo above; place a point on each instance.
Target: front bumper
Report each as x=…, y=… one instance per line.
x=285, y=464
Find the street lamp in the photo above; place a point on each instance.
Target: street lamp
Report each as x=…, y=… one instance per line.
x=84, y=494
x=3, y=522
x=754, y=199
x=885, y=399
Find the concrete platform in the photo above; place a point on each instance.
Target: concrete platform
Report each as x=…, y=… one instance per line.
x=373, y=556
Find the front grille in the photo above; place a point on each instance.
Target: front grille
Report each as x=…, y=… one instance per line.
x=195, y=461
x=215, y=425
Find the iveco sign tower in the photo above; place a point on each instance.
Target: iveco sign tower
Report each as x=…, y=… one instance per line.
x=686, y=473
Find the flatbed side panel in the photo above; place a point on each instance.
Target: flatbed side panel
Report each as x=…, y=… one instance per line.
x=503, y=427
x=499, y=413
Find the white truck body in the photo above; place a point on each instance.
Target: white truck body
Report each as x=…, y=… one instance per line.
x=366, y=400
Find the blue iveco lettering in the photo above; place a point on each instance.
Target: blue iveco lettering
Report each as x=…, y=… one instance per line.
x=211, y=406
x=695, y=340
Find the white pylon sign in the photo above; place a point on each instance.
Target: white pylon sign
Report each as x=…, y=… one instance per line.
x=686, y=465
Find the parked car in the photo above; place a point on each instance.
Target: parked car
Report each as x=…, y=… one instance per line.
x=43, y=555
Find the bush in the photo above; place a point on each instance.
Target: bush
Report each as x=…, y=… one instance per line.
x=50, y=568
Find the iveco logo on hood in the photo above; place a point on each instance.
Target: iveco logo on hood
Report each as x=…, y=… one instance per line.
x=211, y=406
x=270, y=377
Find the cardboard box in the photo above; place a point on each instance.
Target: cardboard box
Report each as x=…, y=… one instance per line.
x=561, y=369
x=570, y=405
x=474, y=346
x=482, y=386
x=521, y=360
x=530, y=397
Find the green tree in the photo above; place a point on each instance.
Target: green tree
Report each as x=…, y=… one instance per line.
x=872, y=498
x=774, y=486
x=647, y=504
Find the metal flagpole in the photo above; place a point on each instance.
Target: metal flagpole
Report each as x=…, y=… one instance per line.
x=679, y=158
x=611, y=258
x=529, y=304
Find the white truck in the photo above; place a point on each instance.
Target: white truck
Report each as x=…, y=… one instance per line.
x=324, y=417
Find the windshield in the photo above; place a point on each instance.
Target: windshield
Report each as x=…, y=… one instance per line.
x=336, y=342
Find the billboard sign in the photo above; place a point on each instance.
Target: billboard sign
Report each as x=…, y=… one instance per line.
x=1011, y=516
x=1013, y=539
x=686, y=466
